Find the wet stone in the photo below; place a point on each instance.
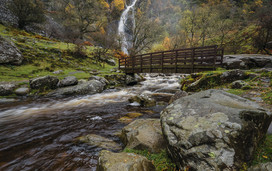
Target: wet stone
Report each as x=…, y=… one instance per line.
x=99, y=141
x=109, y=161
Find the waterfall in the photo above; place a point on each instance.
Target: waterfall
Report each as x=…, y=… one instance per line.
x=122, y=25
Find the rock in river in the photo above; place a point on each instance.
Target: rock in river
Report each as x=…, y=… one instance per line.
x=213, y=130
x=22, y=91
x=88, y=87
x=68, y=81
x=100, y=141
x=143, y=99
x=109, y=161
x=143, y=134
x=46, y=82
x=6, y=89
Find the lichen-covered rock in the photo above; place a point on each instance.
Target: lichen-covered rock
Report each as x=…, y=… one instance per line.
x=261, y=167
x=6, y=89
x=145, y=100
x=100, y=79
x=238, y=84
x=213, y=130
x=204, y=83
x=99, y=141
x=178, y=95
x=230, y=76
x=9, y=54
x=21, y=91
x=46, y=82
x=116, y=79
x=68, y=81
x=246, y=61
x=88, y=87
x=143, y=134
x=109, y=161
x=133, y=80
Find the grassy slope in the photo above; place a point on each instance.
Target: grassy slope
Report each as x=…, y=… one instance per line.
x=42, y=56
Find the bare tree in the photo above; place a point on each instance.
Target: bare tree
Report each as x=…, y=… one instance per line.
x=144, y=34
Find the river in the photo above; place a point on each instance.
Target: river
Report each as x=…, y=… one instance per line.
x=40, y=134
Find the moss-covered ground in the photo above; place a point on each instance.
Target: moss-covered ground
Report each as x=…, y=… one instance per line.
x=160, y=160
x=42, y=56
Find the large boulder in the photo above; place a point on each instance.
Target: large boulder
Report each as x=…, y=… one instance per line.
x=9, y=53
x=261, y=167
x=133, y=79
x=246, y=61
x=99, y=141
x=88, y=87
x=109, y=161
x=213, y=130
x=46, y=82
x=233, y=75
x=100, y=79
x=68, y=81
x=143, y=134
x=116, y=79
x=6, y=89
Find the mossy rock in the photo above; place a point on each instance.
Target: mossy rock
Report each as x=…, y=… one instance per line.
x=205, y=82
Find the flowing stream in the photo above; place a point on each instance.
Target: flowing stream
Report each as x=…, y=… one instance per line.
x=40, y=134
x=123, y=25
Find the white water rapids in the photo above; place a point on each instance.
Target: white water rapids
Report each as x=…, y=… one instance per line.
x=122, y=26
x=150, y=85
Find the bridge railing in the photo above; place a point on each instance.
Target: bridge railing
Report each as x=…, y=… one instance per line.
x=174, y=61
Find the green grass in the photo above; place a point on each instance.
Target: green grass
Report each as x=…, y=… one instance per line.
x=264, y=152
x=160, y=160
x=267, y=96
x=238, y=92
x=42, y=56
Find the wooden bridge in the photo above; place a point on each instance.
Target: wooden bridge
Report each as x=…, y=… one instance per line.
x=187, y=60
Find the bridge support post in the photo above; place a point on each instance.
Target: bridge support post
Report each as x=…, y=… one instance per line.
x=215, y=57
x=162, y=62
x=141, y=63
x=150, y=69
x=193, y=60
x=176, y=62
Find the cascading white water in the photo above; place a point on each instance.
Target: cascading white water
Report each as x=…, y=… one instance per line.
x=122, y=25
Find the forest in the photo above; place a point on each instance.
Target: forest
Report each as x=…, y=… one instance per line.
x=239, y=26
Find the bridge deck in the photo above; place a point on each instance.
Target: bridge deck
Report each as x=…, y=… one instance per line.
x=174, y=61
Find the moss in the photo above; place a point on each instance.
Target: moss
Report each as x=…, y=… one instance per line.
x=160, y=160
x=236, y=91
x=266, y=74
x=246, y=87
x=267, y=96
x=204, y=83
x=264, y=152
